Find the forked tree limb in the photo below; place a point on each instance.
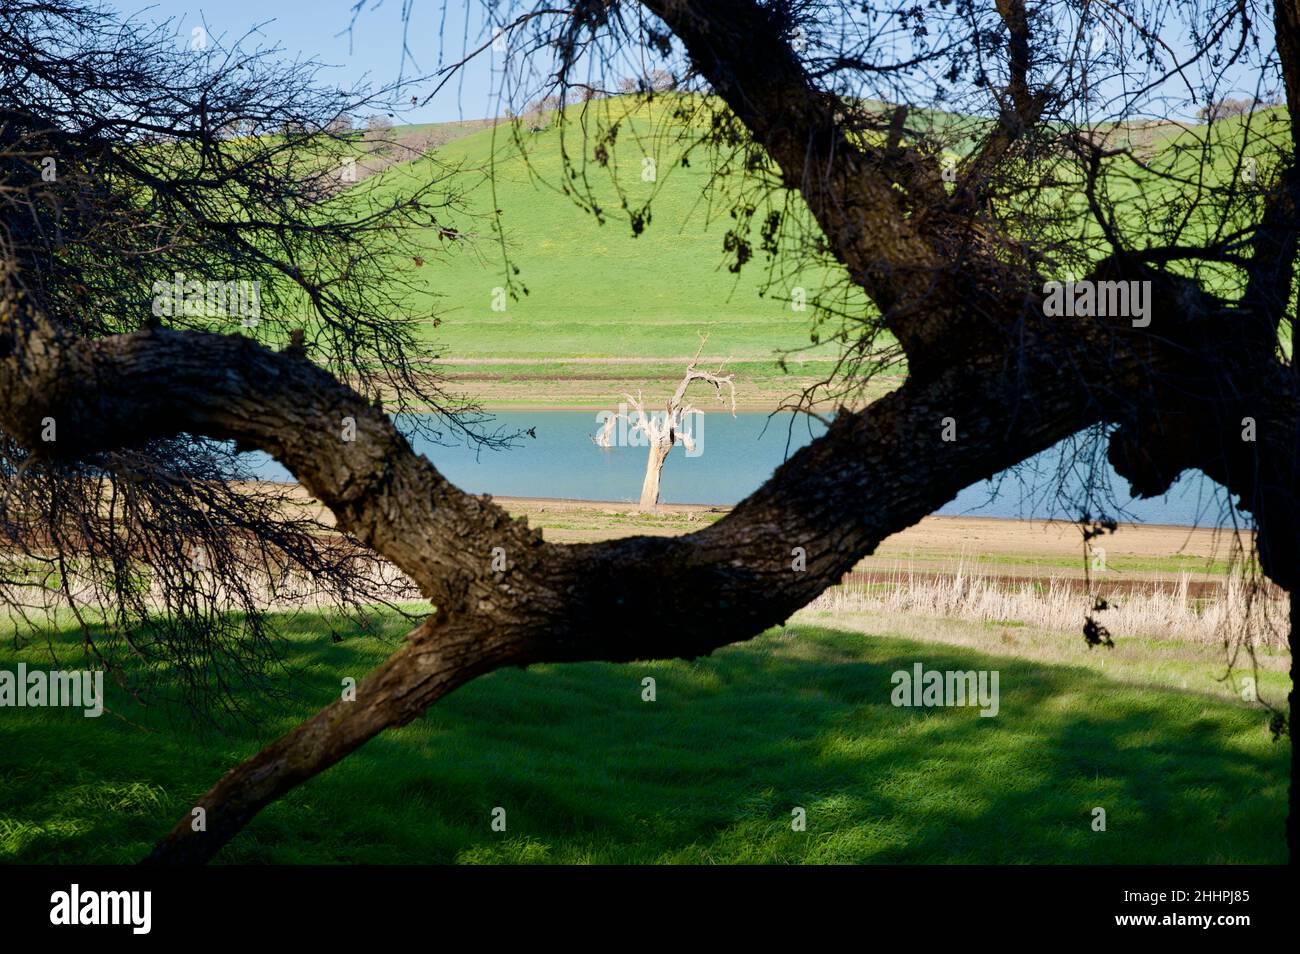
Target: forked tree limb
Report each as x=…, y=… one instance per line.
x=1221, y=371
x=872, y=474
x=835, y=499
x=1020, y=110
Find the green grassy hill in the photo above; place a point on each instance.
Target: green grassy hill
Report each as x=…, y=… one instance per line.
x=596, y=290
x=629, y=306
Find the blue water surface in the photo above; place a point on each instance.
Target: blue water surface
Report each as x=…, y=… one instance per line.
x=736, y=455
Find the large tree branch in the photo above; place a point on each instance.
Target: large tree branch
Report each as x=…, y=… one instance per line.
x=1020, y=110
x=1272, y=267
x=941, y=285
x=739, y=48
x=982, y=300
x=872, y=474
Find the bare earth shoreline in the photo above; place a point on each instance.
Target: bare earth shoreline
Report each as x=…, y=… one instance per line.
x=1034, y=548
x=943, y=545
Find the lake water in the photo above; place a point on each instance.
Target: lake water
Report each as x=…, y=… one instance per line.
x=736, y=455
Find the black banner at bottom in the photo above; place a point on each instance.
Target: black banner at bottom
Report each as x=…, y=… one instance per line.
x=139, y=905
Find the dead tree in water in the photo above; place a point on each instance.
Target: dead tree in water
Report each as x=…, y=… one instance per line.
x=667, y=428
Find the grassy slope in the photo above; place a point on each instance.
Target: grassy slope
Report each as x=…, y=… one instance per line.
x=707, y=773
x=598, y=291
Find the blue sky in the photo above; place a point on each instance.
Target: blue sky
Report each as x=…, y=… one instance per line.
x=318, y=29
x=372, y=50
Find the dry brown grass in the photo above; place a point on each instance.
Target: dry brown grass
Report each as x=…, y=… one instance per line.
x=1225, y=610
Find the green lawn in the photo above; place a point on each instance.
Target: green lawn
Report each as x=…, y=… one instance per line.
x=707, y=773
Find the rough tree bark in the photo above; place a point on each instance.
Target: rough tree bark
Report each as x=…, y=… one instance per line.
x=872, y=474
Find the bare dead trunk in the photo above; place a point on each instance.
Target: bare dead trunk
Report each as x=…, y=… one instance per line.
x=663, y=433
x=654, y=466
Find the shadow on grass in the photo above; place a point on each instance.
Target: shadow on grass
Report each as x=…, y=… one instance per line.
x=710, y=771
